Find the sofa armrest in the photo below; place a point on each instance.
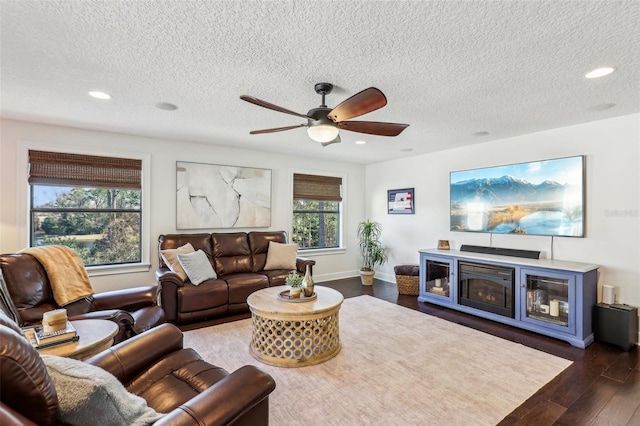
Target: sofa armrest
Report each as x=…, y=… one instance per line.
x=116, y=315
x=129, y=299
x=127, y=359
x=123, y=319
x=166, y=275
x=168, y=284
x=226, y=401
x=10, y=417
x=302, y=262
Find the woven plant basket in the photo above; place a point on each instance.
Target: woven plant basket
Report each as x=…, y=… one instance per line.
x=408, y=285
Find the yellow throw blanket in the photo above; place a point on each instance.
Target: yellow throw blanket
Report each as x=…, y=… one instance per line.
x=68, y=277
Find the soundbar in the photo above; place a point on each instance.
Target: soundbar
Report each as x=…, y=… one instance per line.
x=529, y=254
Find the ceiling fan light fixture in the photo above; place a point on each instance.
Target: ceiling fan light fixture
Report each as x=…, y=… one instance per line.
x=322, y=132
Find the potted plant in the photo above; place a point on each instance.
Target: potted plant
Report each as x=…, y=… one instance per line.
x=373, y=253
x=294, y=281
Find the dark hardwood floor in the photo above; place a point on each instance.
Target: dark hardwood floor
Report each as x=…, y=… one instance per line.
x=601, y=387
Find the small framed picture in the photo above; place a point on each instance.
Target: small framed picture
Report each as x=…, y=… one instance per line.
x=400, y=201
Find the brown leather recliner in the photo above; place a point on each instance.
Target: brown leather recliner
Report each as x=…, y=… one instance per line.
x=29, y=296
x=154, y=366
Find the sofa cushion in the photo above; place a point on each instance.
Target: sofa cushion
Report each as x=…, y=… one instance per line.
x=89, y=392
x=277, y=276
x=242, y=285
x=175, y=379
x=281, y=256
x=259, y=245
x=27, y=283
x=197, y=266
x=231, y=253
x=209, y=294
x=170, y=257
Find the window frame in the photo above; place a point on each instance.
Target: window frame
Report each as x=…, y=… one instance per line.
x=23, y=198
x=342, y=215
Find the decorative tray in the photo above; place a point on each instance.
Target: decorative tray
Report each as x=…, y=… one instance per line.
x=284, y=295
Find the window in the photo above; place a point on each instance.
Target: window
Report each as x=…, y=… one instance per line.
x=89, y=203
x=316, y=211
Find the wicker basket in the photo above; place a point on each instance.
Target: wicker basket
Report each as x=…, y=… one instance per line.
x=408, y=285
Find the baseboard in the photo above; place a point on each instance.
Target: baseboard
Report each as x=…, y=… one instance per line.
x=385, y=277
x=334, y=276
x=350, y=274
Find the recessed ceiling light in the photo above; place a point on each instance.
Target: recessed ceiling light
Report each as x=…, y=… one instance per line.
x=166, y=106
x=361, y=142
x=480, y=133
x=99, y=95
x=600, y=72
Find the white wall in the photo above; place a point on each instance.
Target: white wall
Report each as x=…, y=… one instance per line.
x=612, y=150
x=164, y=154
x=611, y=147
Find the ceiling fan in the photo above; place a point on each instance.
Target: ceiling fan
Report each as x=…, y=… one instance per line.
x=323, y=123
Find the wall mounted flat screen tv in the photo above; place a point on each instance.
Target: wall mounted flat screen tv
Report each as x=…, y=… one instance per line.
x=537, y=198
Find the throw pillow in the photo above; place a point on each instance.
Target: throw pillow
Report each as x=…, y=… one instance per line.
x=89, y=392
x=197, y=266
x=281, y=256
x=170, y=257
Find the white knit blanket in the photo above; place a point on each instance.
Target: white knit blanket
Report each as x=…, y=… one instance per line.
x=90, y=395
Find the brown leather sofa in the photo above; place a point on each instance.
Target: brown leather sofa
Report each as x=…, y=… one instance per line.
x=238, y=259
x=153, y=365
x=29, y=296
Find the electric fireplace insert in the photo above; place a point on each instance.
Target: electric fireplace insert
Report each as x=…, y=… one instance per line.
x=487, y=287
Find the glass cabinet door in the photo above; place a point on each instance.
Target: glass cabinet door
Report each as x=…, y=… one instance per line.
x=437, y=277
x=549, y=299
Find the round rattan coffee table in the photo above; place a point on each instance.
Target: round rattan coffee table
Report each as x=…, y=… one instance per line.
x=294, y=334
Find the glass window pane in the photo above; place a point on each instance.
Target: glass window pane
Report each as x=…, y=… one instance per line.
x=103, y=225
x=45, y=196
x=316, y=224
x=98, y=238
x=314, y=205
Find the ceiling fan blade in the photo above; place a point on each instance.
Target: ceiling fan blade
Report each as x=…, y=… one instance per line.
x=276, y=129
x=361, y=103
x=268, y=105
x=373, y=127
x=336, y=140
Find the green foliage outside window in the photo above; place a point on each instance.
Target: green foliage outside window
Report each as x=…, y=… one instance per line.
x=102, y=225
x=316, y=224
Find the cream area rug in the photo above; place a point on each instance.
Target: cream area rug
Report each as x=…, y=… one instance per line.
x=397, y=366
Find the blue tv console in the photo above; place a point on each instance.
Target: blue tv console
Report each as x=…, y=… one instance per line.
x=551, y=297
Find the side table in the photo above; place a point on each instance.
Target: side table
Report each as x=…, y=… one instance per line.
x=96, y=335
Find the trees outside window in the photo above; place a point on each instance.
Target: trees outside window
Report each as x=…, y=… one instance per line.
x=316, y=211
x=316, y=224
x=102, y=225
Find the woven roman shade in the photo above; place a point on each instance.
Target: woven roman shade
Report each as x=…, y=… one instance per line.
x=314, y=187
x=56, y=168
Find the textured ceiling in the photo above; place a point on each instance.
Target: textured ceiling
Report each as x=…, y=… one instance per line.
x=450, y=69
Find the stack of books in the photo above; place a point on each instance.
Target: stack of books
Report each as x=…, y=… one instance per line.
x=41, y=339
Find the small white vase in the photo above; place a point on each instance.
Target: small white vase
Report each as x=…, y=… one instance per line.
x=294, y=292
